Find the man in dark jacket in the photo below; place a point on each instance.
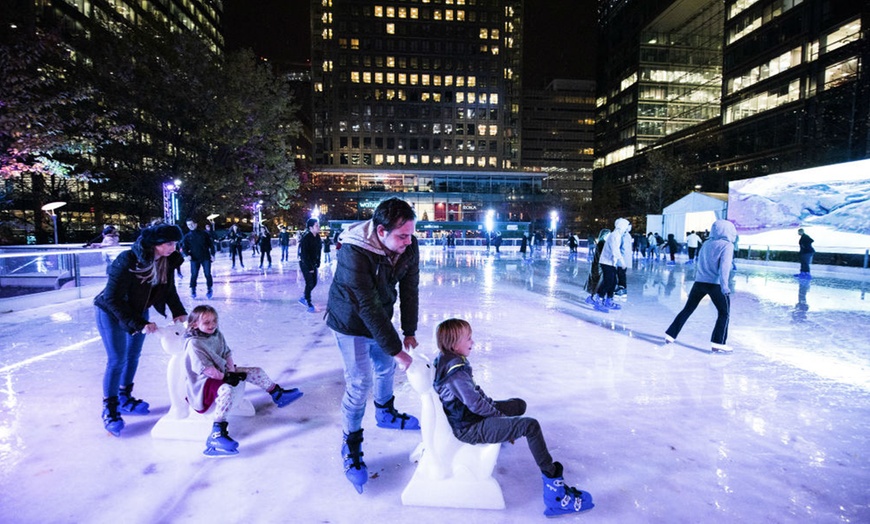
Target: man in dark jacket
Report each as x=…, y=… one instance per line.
x=309, y=260
x=376, y=256
x=197, y=245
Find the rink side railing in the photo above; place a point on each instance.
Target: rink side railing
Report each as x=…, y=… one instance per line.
x=33, y=276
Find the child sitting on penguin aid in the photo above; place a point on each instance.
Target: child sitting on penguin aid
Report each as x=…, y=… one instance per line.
x=477, y=419
x=212, y=376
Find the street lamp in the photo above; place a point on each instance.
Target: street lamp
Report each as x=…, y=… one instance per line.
x=171, y=207
x=50, y=207
x=259, y=218
x=554, y=221
x=489, y=225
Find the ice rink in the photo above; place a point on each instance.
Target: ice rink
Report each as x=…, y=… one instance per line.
x=777, y=431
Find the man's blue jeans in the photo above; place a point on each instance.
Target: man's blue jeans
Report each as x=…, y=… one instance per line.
x=365, y=363
x=123, y=350
x=194, y=272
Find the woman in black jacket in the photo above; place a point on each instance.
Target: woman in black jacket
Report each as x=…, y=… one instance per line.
x=139, y=278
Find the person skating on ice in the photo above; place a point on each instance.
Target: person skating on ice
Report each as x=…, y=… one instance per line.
x=309, y=260
x=212, y=375
x=475, y=418
x=806, y=254
x=375, y=257
x=139, y=278
x=712, y=275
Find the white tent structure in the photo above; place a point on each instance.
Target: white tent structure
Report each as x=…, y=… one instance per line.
x=694, y=212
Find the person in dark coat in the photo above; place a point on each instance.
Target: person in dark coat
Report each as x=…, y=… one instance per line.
x=805, y=253
x=673, y=248
x=309, y=259
x=265, y=242
x=198, y=245
x=375, y=256
x=236, y=237
x=139, y=278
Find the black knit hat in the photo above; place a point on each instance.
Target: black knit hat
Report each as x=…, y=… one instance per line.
x=160, y=234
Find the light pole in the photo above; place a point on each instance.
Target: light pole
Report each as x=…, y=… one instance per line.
x=489, y=225
x=259, y=217
x=171, y=211
x=50, y=207
x=554, y=221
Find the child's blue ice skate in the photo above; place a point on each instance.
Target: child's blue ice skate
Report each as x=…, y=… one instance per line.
x=354, y=468
x=112, y=420
x=283, y=397
x=219, y=443
x=128, y=404
x=560, y=499
x=387, y=417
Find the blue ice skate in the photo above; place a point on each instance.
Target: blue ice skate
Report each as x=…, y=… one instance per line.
x=354, y=468
x=219, y=443
x=560, y=499
x=387, y=417
x=283, y=397
x=112, y=420
x=128, y=404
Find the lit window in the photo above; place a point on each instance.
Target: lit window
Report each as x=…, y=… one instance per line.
x=391, y=28
x=460, y=81
x=391, y=159
x=424, y=97
x=403, y=78
x=492, y=162
x=367, y=77
x=415, y=12
x=436, y=14
x=403, y=12
x=424, y=79
x=493, y=130
x=448, y=80
x=460, y=160
x=436, y=80
x=472, y=97
x=391, y=61
x=843, y=35
x=424, y=159
x=379, y=159
x=448, y=15
x=493, y=34
x=318, y=87
x=403, y=159
x=481, y=162
x=379, y=78
x=354, y=43
x=448, y=159
x=481, y=129
x=391, y=78
x=482, y=98
x=402, y=94
x=494, y=50
x=391, y=94
x=460, y=97
x=436, y=129
x=484, y=48
x=460, y=15
x=840, y=73
x=415, y=159
x=354, y=77
x=414, y=79
x=471, y=81
x=379, y=11
x=484, y=33
x=391, y=12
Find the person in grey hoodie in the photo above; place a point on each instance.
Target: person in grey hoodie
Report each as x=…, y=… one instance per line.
x=712, y=273
x=375, y=257
x=611, y=258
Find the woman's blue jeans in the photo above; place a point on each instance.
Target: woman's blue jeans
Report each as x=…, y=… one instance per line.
x=123, y=350
x=365, y=364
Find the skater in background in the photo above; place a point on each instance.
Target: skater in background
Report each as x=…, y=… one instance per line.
x=375, y=257
x=284, y=242
x=805, y=253
x=477, y=419
x=265, y=242
x=212, y=375
x=594, y=279
x=309, y=260
x=524, y=244
x=673, y=248
x=253, y=240
x=139, y=278
x=610, y=260
x=626, y=249
x=236, y=237
x=198, y=245
x=327, y=249
x=693, y=242
x=712, y=274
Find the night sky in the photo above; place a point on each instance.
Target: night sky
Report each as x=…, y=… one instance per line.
x=561, y=31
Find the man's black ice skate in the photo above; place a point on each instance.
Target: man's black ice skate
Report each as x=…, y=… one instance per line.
x=219, y=443
x=111, y=418
x=354, y=468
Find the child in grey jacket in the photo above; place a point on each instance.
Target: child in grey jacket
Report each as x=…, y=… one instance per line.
x=477, y=419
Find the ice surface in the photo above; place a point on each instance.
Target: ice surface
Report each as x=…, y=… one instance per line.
x=778, y=431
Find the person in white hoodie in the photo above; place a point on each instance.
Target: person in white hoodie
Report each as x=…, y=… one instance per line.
x=712, y=274
x=626, y=250
x=611, y=258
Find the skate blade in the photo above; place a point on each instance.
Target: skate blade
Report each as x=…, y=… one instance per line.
x=355, y=480
x=550, y=513
x=214, y=452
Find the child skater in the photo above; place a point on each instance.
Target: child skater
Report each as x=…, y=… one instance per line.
x=212, y=376
x=477, y=419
